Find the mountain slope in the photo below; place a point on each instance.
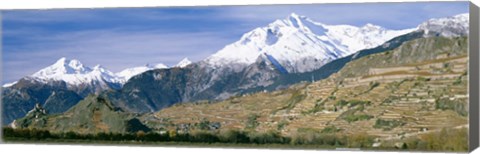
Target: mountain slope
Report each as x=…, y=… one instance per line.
x=405, y=85
x=91, y=115
x=18, y=99
x=157, y=89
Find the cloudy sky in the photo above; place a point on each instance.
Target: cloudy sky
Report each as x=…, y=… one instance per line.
x=118, y=38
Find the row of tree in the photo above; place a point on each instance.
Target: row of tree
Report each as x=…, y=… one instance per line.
x=445, y=140
x=229, y=136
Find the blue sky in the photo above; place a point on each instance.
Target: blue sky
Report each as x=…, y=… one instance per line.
x=119, y=38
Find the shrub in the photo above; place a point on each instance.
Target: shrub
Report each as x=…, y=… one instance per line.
x=281, y=124
x=203, y=125
x=447, y=104
x=267, y=137
x=423, y=79
x=352, y=103
x=252, y=122
x=373, y=85
x=387, y=124
x=234, y=136
x=353, y=117
x=330, y=129
x=360, y=140
x=202, y=136
x=445, y=140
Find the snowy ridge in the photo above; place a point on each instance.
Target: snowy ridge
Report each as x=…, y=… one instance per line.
x=128, y=73
x=301, y=44
x=9, y=84
x=73, y=72
x=448, y=27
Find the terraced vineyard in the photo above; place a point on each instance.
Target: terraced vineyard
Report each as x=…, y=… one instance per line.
x=418, y=88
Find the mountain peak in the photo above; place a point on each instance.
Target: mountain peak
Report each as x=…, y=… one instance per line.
x=296, y=20
x=73, y=63
x=61, y=60
x=294, y=15
x=62, y=66
x=184, y=62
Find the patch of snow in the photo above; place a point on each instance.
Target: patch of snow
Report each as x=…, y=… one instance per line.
x=9, y=84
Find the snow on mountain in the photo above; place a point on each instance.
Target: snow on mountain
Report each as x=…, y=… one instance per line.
x=9, y=84
x=301, y=44
x=74, y=73
x=128, y=73
x=184, y=62
x=448, y=27
x=62, y=67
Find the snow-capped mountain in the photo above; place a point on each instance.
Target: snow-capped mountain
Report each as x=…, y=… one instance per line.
x=447, y=27
x=301, y=44
x=77, y=76
x=128, y=73
x=184, y=62
x=74, y=73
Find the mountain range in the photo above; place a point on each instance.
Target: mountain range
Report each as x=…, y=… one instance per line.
x=74, y=73
x=285, y=52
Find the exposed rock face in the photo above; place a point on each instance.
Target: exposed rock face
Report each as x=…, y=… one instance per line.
x=37, y=111
x=18, y=99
